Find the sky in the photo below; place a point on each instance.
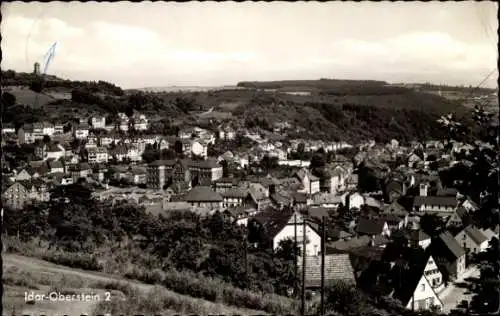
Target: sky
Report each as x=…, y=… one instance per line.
x=146, y=44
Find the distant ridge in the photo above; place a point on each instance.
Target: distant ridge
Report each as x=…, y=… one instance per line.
x=187, y=88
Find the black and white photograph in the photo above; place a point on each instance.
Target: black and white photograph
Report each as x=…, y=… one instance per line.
x=250, y=158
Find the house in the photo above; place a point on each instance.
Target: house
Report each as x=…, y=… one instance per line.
x=27, y=135
x=435, y=204
x=91, y=142
x=489, y=233
x=233, y=197
x=81, y=131
x=98, y=122
x=204, y=197
x=24, y=175
x=137, y=176
x=459, y=218
x=58, y=129
x=472, y=240
x=328, y=200
x=337, y=178
x=448, y=254
x=186, y=133
x=413, y=238
x=224, y=184
x=372, y=227
x=199, y=148
x=354, y=200
x=352, y=182
x=396, y=209
x=55, y=166
x=338, y=268
x=240, y=214
x=15, y=196
x=310, y=182
x=97, y=155
x=289, y=226
x=8, y=128
x=393, y=190
x=257, y=196
x=53, y=151
x=205, y=171
x=140, y=122
x=300, y=200
x=419, y=284
x=227, y=133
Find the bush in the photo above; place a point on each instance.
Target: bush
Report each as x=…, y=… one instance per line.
x=74, y=260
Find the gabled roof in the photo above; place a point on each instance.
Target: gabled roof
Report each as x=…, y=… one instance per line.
x=370, y=226
x=475, y=235
x=418, y=235
x=411, y=277
x=435, y=200
x=203, y=194
x=454, y=250
x=338, y=267
x=234, y=193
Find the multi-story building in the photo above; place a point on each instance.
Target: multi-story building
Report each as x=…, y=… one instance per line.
x=97, y=155
x=162, y=172
x=98, y=122
x=82, y=131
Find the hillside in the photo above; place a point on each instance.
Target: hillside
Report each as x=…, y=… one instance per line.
x=42, y=277
x=350, y=110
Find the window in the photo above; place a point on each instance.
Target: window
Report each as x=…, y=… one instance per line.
x=422, y=287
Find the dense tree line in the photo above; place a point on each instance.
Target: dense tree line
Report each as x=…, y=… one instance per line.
x=74, y=222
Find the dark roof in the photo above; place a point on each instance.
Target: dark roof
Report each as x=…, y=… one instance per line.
x=319, y=212
x=370, y=226
x=475, y=234
x=416, y=262
x=55, y=164
x=204, y=164
x=418, y=235
x=435, y=200
x=447, y=192
x=338, y=267
x=462, y=212
x=234, y=193
x=203, y=194
x=454, y=249
x=300, y=197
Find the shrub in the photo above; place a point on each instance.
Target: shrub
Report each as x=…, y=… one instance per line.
x=74, y=260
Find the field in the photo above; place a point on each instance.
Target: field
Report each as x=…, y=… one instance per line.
x=27, y=97
x=25, y=274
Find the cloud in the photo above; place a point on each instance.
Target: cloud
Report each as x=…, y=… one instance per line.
x=133, y=55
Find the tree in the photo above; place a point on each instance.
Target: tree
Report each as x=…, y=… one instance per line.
x=318, y=161
x=431, y=224
x=8, y=99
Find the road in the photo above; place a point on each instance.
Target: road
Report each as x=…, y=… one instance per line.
x=452, y=296
x=81, y=308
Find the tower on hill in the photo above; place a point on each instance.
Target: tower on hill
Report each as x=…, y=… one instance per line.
x=36, y=69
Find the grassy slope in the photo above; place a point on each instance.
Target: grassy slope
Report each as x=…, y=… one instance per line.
x=23, y=273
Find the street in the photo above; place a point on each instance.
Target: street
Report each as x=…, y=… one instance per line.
x=453, y=295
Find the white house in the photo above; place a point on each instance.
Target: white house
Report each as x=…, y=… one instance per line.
x=48, y=129
x=98, y=122
x=54, y=151
x=199, y=148
x=310, y=182
x=140, y=123
x=354, y=200
x=424, y=295
x=472, y=240
x=287, y=231
x=82, y=131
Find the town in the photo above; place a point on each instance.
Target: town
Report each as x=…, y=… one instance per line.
x=222, y=159
x=411, y=215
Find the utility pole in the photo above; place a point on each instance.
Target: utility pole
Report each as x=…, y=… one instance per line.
x=296, y=285
x=303, y=307
x=323, y=250
x=245, y=245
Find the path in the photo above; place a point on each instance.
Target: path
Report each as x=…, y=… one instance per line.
x=453, y=295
